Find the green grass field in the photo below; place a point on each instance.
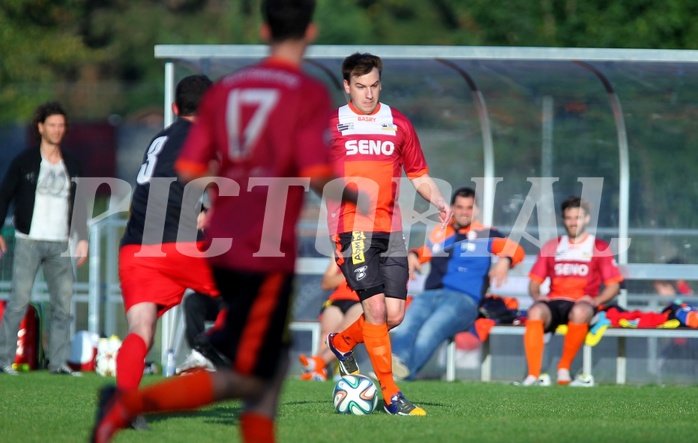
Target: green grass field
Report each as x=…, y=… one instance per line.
x=38, y=407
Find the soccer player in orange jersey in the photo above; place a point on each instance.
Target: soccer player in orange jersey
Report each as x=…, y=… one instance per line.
x=577, y=264
x=371, y=145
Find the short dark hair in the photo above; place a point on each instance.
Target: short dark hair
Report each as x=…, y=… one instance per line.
x=288, y=19
x=575, y=202
x=464, y=192
x=359, y=64
x=189, y=92
x=43, y=112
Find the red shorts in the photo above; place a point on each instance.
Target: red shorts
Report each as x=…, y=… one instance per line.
x=149, y=278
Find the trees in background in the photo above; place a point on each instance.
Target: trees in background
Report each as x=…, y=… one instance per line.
x=97, y=55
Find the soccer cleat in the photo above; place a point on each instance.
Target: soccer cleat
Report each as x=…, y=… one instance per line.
x=670, y=324
x=315, y=375
x=399, y=405
x=596, y=332
x=204, y=346
x=139, y=424
x=347, y=362
x=400, y=369
x=314, y=368
x=530, y=380
x=583, y=380
x=544, y=380
x=625, y=323
x=195, y=360
x=65, y=370
x=8, y=369
x=111, y=415
x=563, y=376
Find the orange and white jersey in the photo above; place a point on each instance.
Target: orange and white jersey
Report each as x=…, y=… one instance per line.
x=371, y=151
x=575, y=269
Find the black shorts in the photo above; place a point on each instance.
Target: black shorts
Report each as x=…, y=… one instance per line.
x=373, y=263
x=343, y=305
x=255, y=335
x=560, y=313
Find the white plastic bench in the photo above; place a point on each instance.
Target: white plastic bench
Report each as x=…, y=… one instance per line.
x=621, y=335
x=518, y=286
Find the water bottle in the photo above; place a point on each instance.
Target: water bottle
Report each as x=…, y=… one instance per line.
x=170, y=364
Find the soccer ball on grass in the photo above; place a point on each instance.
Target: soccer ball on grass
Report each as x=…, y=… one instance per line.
x=355, y=394
x=105, y=362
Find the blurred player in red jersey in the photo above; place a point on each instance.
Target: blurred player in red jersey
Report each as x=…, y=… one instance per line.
x=341, y=309
x=577, y=264
x=153, y=270
x=371, y=145
x=264, y=126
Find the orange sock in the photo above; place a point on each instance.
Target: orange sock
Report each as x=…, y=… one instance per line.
x=256, y=428
x=377, y=343
x=130, y=362
x=574, y=339
x=534, y=345
x=174, y=394
x=351, y=336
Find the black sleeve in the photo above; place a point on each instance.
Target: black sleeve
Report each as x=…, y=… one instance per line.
x=8, y=189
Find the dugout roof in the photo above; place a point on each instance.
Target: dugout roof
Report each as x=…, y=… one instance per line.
x=501, y=115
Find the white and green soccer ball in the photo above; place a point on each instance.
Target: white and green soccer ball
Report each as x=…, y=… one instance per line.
x=107, y=350
x=355, y=394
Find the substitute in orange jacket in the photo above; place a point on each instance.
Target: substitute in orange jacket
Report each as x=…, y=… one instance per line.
x=461, y=271
x=577, y=264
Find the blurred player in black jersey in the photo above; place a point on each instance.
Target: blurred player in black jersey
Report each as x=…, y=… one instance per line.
x=159, y=257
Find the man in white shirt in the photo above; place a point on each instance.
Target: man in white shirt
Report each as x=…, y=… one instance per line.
x=39, y=183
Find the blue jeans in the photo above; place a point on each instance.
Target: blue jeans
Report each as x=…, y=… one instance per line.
x=58, y=273
x=432, y=317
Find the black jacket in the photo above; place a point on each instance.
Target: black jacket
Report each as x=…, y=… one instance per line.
x=20, y=185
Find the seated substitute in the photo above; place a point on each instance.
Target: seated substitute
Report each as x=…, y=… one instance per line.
x=340, y=310
x=461, y=269
x=577, y=263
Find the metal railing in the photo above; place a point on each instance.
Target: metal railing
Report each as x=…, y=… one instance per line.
x=101, y=292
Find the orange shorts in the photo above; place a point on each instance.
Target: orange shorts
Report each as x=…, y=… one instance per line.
x=162, y=279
